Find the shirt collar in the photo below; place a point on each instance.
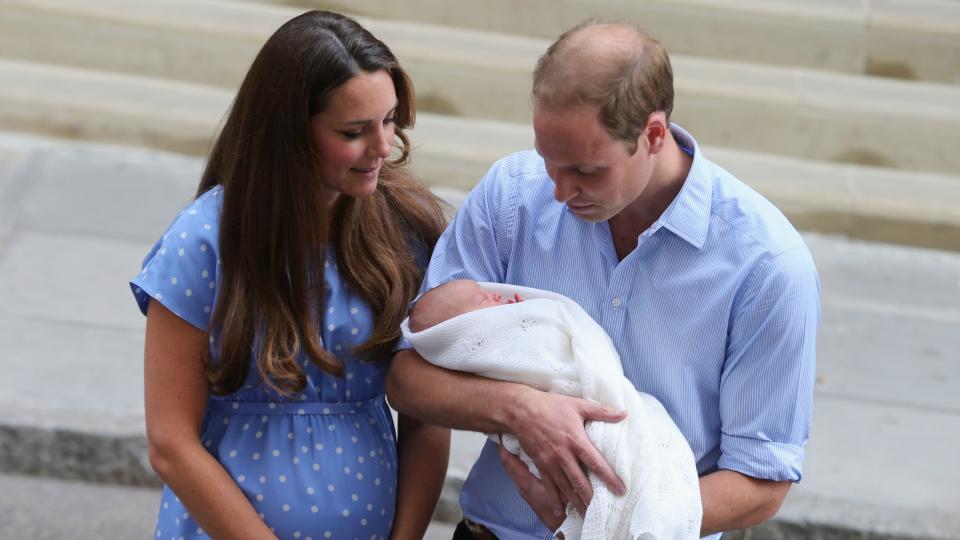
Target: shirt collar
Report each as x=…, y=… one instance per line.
x=688, y=216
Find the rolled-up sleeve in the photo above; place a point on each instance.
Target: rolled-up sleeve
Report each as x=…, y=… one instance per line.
x=766, y=388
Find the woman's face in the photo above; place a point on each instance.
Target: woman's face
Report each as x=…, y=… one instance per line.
x=355, y=133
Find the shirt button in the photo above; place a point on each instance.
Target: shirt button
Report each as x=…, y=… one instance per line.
x=616, y=302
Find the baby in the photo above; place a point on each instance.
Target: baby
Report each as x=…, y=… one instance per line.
x=547, y=341
x=451, y=299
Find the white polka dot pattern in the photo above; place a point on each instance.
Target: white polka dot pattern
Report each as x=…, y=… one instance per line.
x=287, y=456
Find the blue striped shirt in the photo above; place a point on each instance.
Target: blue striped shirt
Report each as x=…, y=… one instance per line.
x=714, y=313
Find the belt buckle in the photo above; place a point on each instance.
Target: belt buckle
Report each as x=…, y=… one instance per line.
x=478, y=531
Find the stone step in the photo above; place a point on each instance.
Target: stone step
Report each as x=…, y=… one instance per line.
x=79, y=217
x=782, y=110
x=863, y=202
x=907, y=39
x=86, y=511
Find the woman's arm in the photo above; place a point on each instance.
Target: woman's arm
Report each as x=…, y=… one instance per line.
x=423, y=451
x=175, y=391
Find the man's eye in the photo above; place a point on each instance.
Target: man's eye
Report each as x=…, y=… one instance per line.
x=586, y=172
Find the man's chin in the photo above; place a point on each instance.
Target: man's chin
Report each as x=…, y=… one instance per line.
x=590, y=214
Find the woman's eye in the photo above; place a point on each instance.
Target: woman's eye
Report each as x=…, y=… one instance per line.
x=351, y=134
x=389, y=120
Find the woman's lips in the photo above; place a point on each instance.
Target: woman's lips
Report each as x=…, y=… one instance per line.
x=365, y=171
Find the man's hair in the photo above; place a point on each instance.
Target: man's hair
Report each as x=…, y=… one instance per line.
x=614, y=66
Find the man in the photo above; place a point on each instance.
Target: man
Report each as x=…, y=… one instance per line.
x=709, y=294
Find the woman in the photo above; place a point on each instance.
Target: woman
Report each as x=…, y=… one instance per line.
x=274, y=302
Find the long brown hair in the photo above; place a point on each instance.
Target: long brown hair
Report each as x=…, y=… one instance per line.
x=275, y=227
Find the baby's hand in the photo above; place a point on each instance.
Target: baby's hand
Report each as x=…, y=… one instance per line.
x=516, y=298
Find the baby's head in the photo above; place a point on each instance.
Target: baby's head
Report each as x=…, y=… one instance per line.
x=451, y=299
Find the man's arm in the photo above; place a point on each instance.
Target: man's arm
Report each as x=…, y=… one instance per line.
x=766, y=394
x=735, y=501
x=548, y=426
x=730, y=500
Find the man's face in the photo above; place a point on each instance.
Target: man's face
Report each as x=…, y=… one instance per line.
x=593, y=173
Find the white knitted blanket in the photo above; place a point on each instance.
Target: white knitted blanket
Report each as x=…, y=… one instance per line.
x=550, y=343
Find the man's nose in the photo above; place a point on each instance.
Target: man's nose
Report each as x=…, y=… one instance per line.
x=563, y=188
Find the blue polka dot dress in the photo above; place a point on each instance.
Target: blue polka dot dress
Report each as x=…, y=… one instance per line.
x=322, y=464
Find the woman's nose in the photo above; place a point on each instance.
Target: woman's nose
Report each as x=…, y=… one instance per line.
x=380, y=146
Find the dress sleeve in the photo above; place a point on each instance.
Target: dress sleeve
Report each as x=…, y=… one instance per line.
x=181, y=270
x=766, y=388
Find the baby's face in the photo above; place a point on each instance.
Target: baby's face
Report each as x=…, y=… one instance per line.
x=452, y=299
x=472, y=297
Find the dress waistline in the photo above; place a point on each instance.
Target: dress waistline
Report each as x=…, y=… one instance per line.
x=295, y=408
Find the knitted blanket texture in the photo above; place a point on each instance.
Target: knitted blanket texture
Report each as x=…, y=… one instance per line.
x=550, y=343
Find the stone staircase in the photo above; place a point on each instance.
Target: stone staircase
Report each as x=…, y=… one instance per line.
x=915, y=39
x=840, y=153
x=844, y=113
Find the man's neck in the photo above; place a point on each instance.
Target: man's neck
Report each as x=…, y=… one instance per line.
x=669, y=173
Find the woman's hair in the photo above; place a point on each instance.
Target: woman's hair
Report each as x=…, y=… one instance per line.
x=275, y=226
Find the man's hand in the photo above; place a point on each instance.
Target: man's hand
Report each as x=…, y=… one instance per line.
x=549, y=427
x=544, y=500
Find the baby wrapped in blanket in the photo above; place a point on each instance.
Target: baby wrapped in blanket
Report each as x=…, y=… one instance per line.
x=549, y=342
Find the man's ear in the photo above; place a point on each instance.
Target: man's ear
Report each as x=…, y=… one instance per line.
x=654, y=132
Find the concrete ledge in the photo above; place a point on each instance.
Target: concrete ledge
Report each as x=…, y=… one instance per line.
x=213, y=42
x=89, y=105
x=789, y=111
x=863, y=202
x=871, y=203
x=113, y=459
x=914, y=39
x=76, y=455
x=810, y=516
x=907, y=39
x=110, y=458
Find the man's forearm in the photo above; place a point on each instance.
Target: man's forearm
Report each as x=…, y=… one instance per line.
x=732, y=500
x=450, y=398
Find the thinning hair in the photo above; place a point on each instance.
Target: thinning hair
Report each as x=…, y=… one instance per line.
x=614, y=66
